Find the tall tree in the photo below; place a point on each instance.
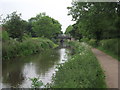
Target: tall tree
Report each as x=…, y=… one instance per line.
x=68, y=29
x=96, y=19
x=45, y=26
x=15, y=26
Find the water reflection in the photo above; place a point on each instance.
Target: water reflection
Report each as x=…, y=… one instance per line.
x=63, y=55
x=12, y=75
x=16, y=73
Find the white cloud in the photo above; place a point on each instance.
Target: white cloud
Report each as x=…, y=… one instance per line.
x=29, y=8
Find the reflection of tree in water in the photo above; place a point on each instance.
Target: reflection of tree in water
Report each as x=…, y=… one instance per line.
x=43, y=62
x=13, y=76
x=46, y=61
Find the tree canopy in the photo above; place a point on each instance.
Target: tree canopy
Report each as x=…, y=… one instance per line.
x=96, y=20
x=45, y=26
x=14, y=25
x=68, y=29
x=39, y=26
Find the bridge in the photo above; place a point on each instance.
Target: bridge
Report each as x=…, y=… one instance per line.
x=64, y=36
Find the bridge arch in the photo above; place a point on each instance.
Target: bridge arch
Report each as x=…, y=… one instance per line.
x=63, y=37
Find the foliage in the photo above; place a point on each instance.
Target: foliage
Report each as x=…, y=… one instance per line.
x=14, y=25
x=45, y=26
x=5, y=35
x=13, y=48
x=75, y=32
x=96, y=20
x=84, y=40
x=69, y=29
x=82, y=70
x=15, y=29
x=36, y=83
x=39, y=26
x=26, y=36
x=92, y=42
x=111, y=45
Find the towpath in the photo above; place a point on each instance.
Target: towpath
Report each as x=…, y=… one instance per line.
x=110, y=66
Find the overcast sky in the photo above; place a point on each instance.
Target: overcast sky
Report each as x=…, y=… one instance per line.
x=56, y=9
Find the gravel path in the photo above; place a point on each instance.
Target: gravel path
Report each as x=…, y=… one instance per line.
x=110, y=66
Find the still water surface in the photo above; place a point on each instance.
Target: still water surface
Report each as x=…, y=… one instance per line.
x=16, y=73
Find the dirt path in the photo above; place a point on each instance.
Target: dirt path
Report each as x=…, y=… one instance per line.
x=110, y=66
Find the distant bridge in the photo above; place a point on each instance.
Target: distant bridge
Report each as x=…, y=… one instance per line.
x=64, y=36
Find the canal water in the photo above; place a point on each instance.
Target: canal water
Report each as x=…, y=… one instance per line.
x=16, y=73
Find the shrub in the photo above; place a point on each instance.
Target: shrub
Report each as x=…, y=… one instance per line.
x=36, y=83
x=25, y=36
x=84, y=40
x=5, y=35
x=110, y=44
x=13, y=48
x=92, y=42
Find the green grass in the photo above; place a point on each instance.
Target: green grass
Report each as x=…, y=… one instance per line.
x=12, y=48
x=111, y=47
x=109, y=53
x=82, y=70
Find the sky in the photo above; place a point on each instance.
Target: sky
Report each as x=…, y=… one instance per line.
x=56, y=9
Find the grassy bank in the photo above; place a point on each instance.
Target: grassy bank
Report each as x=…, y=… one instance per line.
x=111, y=47
x=81, y=71
x=12, y=48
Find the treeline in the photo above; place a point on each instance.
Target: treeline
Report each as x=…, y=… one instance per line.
x=39, y=26
x=96, y=20
x=96, y=24
x=21, y=38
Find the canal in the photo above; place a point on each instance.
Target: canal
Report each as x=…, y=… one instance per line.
x=16, y=73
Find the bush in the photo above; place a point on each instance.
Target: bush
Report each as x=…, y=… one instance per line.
x=110, y=45
x=84, y=40
x=92, y=42
x=25, y=36
x=5, y=35
x=13, y=48
x=82, y=70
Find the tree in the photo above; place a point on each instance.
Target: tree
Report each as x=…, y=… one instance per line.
x=68, y=29
x=73, y=31
x=95, y=19
x=45, y=26
x=30, y=27
x=15, y=26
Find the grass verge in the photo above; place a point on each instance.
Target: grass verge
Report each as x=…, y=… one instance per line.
x=109, y=46
x=109, y=53
x=82, y=70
